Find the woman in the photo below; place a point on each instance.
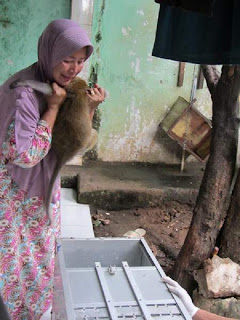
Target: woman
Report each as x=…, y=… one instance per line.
x=27, y=243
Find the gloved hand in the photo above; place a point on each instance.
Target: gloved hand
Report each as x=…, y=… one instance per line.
x=174, y=287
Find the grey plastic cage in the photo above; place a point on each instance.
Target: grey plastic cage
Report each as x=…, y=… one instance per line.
x=111, y=278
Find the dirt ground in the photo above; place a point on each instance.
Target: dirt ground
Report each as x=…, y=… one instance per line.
x=166, y=227
x=124, y=188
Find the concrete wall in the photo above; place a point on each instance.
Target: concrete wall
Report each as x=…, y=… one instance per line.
x=21, y=23
x=142, y=88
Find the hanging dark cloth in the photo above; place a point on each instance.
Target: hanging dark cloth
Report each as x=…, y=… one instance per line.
x=193, y=37
x=203, y=6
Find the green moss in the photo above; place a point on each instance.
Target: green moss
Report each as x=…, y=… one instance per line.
x=98, y=37
x=102, y=8
x=93, y=77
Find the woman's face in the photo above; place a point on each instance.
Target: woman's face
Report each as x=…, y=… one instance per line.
x=65, y=71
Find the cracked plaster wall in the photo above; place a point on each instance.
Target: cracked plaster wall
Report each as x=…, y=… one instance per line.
x=142, y=88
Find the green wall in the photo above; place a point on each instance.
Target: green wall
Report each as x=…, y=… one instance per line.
x=21, y=23
x=142, y=88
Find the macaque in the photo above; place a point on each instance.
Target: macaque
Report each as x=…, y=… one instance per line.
x=72, y=131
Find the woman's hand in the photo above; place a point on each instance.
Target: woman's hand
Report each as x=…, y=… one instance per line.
x=57, y=98
x=96, y=95
x=54, y=103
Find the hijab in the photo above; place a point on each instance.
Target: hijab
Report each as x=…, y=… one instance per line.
x=59, y=40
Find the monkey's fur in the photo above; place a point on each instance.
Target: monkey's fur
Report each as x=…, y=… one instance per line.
x=72, y=131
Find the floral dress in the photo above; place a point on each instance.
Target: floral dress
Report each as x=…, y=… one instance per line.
x=27, y=242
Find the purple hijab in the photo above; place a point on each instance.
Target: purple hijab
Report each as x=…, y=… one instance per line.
x=60, y=39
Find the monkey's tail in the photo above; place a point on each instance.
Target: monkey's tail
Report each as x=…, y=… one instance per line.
x=50, y=191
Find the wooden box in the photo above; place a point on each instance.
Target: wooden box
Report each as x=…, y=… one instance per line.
x=189, y=128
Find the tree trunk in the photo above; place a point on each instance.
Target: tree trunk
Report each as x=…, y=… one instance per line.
x=230, y=234
x=213, y=198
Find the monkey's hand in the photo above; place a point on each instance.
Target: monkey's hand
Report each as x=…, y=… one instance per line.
x=57, y=98
x=96, y=96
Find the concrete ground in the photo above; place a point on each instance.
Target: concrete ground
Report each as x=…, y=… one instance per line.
x=115, y=186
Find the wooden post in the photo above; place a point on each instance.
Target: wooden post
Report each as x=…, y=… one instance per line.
x=200, y=79
x=181, y=74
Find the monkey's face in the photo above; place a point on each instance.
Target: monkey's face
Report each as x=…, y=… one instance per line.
x=66, y=71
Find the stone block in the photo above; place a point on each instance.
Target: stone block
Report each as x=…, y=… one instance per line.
x=229, y=307
x=219, y=278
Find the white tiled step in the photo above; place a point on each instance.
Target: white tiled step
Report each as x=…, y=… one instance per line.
x=68, y=197
x=75, y=218
x=75, y=222
x=47, y=315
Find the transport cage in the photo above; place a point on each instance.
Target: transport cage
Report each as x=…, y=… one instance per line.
x=111, y=278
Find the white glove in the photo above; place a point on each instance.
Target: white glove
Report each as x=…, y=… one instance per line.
x=174, y=287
